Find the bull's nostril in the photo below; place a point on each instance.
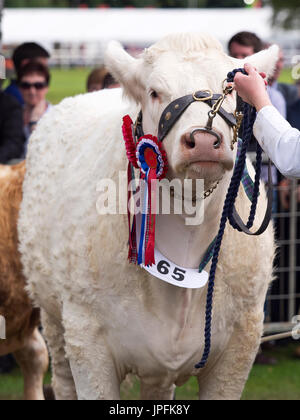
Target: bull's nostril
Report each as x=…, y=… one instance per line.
x=190, y=144
x=217, y=144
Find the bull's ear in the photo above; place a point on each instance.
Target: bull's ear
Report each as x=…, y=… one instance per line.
x=125, y=69
x=265, y=61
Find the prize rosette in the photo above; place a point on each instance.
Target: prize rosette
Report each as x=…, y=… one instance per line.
x=148, y=155
x=127, y=130
x=151, y=156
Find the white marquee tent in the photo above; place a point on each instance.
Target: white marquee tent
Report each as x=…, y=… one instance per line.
x=139, y=27
x=128, y=25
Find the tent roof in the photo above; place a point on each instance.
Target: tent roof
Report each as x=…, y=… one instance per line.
x=139, y=26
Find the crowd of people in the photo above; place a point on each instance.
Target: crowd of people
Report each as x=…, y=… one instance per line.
x=24, y=102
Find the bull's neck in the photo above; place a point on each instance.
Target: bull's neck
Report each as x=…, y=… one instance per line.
x=186, y=245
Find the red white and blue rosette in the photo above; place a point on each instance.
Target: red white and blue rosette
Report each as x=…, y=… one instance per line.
x=152, y=160
x=148, y=155
x=151, y=156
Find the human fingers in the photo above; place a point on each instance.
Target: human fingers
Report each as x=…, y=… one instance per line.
x=264, y=76
x=250, y=69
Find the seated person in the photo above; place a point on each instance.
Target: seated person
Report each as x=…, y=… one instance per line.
x=33, y=81
x=11, y=129
x=29, y=51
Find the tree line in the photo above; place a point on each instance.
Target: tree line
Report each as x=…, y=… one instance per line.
x=125, y=3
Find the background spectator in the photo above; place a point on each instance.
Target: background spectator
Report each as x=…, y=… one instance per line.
x=22, y=55
x=100, y=79
x=95, y=79
x=11, y=129
x=277, y=97
x=294, y=109
x=109, y=82
x=241, y=46
x=244, y=44
x=33, y=81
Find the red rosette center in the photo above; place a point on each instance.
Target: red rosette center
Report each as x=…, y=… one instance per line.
x=150, y=158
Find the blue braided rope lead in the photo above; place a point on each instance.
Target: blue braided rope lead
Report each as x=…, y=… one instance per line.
x=248, y=122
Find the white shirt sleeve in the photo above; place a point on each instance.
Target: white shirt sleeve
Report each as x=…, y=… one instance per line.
x=279, y=140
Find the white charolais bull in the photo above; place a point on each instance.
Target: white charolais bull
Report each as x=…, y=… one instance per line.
x=104, y=318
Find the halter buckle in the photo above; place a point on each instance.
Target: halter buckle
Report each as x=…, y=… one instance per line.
x=205, y=98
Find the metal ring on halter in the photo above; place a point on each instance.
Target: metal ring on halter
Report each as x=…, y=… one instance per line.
x=217, y=143
x=227, y=88
x=205, y=98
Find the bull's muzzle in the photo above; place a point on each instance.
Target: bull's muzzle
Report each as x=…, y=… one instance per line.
x=217, y=143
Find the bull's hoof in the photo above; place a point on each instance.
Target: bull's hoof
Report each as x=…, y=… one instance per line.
x=49, y=393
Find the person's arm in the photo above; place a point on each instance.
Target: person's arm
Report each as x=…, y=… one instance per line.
x=278, y=139
x=11, y=130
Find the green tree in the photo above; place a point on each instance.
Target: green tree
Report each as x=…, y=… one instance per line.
x=286, y=13
x=37, y=3
x=125, y=3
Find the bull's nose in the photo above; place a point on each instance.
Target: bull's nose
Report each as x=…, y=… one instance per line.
x=192, y=138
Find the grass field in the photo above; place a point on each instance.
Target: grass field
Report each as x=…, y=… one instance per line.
x=66, y=83
x=281, y=382
x=71, y=82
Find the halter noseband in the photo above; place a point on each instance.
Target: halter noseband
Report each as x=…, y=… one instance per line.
x=175, y=109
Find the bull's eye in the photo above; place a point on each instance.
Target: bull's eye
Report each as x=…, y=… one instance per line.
x=154, y=94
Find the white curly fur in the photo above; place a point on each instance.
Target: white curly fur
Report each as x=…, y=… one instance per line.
x=103, y=317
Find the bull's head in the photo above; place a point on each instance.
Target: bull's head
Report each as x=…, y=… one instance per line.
x=179, y=65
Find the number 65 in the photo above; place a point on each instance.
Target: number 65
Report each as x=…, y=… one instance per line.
x=163, y=267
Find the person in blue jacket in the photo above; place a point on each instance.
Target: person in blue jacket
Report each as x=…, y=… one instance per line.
x=29, y=51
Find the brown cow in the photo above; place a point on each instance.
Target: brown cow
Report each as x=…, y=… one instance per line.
x=23, y=338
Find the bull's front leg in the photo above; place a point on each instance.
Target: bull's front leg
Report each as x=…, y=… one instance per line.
x=93, y=366
x=34, y=361
x=157, y=391
x=227, y=378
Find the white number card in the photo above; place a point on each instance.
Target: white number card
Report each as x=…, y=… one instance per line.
x=178, y=276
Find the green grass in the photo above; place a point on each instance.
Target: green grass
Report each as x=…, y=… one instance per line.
x=66, y=83
x=70, y=82
x=286, y=77
x=281, y=382
x=11, y=385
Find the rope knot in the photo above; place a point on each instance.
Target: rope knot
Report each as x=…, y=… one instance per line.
x=231, y=74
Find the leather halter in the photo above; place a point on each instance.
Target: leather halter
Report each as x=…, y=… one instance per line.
x=176, y=108
x=174, y=111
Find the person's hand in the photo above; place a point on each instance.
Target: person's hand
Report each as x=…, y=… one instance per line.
x=252, y=88
x=38, y=111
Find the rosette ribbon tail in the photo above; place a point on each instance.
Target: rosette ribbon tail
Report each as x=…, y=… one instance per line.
x=132, y=253
x=144, y=225
x=150, y=246
x=149, y=156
